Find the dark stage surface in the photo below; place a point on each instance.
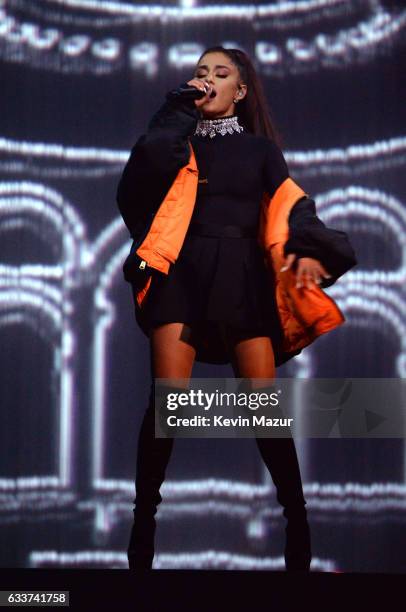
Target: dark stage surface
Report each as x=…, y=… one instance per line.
x=205, y=590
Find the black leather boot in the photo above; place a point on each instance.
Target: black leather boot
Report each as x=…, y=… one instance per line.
x=280, y=457
x=153, y=455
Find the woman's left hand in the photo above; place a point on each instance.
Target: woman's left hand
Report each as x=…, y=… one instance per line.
x=309, y=270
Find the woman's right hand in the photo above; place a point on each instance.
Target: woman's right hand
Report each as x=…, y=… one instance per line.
x=203, y=86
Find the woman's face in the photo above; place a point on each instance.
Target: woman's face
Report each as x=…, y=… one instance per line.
x=223, y=76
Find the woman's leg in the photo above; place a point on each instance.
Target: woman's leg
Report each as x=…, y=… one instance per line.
x=252, y=357
x=172, y=356
x=172, y=351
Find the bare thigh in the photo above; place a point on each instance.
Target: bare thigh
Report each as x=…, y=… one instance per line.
x=251, y=356
x=172, y=351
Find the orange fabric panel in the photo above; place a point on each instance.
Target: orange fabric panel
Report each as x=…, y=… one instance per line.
x=141, y=294
x=165, y=238
x=305, y=313
x=275, y=212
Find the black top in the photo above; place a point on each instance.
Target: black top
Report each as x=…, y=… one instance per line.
x=238, y=168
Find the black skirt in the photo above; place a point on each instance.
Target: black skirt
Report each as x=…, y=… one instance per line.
x=215, y=280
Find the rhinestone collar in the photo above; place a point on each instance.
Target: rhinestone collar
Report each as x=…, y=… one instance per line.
x=222, y=125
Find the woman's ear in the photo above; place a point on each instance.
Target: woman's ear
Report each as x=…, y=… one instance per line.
x=242, y=91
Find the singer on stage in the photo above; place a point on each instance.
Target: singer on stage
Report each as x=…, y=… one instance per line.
x=228, y=265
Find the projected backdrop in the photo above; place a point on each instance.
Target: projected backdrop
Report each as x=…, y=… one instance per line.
x=79, y=82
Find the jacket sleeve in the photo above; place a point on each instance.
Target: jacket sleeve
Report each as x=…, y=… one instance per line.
x=155, y=160
x=308, y=235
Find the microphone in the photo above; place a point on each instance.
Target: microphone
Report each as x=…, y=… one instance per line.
x=187, y=92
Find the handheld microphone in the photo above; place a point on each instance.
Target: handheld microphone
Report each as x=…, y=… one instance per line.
x=188, y=92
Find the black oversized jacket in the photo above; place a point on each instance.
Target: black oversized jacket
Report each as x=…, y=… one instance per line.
x=157, y=157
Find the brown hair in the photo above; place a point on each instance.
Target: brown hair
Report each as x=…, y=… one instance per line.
x=253, y=111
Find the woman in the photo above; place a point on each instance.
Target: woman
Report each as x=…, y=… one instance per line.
x=207, y=197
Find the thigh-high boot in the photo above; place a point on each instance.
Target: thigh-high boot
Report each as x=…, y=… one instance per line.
x=153, y=455
x=280, y=457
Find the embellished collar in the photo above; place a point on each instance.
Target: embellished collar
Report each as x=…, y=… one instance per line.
x=222, y=125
